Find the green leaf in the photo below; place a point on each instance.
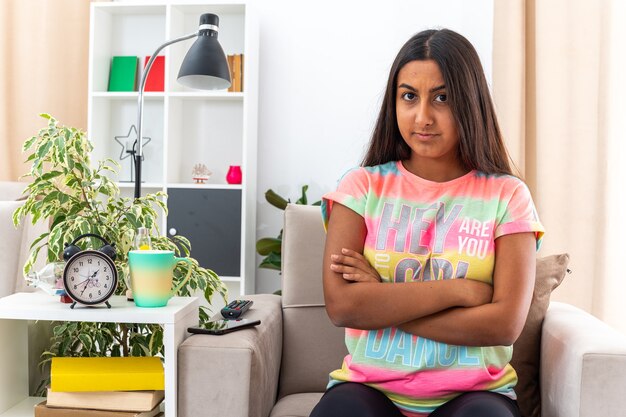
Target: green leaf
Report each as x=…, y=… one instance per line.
x=58, y=330
x=60, y=150
x=55, y=243
x=184, y=243
x=100, y=342
x=156, y=342
x=268, y=265
x=70, y=161
x=104, y=189
x=39, y=239
x=52, y=174
x=132, y=219
x=29, y=142
x=267, y=245
x=75, y=209
x=70, y=180
x=85, y=339
x=43, y=150
x=272, y=261
x=17, y=214
x=136, y=350
x=31, y=260
x=53, y=196
x=204, y=316
x=302, y=199
x=116, y=351
x=275, y=200
x=85, y=227
x=208, y=293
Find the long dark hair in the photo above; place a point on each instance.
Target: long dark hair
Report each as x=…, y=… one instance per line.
x=480, y=141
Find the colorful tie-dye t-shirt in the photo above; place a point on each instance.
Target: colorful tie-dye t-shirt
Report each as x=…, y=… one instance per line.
x=419, y=230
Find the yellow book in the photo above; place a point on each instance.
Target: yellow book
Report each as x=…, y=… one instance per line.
x=107, y=374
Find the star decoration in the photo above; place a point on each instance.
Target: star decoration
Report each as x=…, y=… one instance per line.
x=132, y=150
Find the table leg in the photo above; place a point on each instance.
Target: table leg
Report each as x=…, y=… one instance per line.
x=13, y=363
x=173, y=336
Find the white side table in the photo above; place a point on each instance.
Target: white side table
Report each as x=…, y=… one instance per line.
x=16, y=309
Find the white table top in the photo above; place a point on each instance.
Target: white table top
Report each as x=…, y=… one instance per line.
x=41, y=306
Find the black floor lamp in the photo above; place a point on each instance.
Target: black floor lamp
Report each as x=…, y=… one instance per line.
x=205, y=67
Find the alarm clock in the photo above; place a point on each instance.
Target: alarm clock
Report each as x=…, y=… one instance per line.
x=89, y=276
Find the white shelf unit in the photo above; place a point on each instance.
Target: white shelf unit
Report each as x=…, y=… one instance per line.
x=186, y=126
x=17, y=309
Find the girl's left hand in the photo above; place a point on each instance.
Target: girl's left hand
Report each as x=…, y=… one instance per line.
x=354, y=267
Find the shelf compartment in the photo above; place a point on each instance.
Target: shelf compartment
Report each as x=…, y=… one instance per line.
x=211, y=220
x=124, y=31
x=111, y=118
x=213, y=136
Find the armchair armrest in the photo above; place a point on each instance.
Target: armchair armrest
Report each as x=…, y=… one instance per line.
x=235, y=374
x=583, y=365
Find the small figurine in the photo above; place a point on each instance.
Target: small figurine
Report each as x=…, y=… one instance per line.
x=200, y=173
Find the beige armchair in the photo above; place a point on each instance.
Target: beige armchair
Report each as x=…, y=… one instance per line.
x=280, y=368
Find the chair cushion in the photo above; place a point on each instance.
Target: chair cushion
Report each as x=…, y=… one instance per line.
x=550, y=272
x=296, y=405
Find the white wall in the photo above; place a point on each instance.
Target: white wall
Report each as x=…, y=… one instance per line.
x=323, y=68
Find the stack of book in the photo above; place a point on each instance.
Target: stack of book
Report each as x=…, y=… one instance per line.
x=124, y=74
x=104, y=387
x=235, y=63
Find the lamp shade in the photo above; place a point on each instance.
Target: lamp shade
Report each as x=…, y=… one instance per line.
x=205, y=66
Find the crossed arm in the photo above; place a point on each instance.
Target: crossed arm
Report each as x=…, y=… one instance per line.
x=461, y=312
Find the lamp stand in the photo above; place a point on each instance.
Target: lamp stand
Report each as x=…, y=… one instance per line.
x=139, y=154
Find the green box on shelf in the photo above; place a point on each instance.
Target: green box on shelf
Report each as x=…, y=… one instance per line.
x=123, y=75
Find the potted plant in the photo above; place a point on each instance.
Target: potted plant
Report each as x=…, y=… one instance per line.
x=77, y=196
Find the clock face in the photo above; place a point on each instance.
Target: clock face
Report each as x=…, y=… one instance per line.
x=90, y=277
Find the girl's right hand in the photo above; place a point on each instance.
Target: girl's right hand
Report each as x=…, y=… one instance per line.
x=353, y=267
x=476, y=293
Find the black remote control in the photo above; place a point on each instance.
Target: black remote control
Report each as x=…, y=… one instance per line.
x=236, y=308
